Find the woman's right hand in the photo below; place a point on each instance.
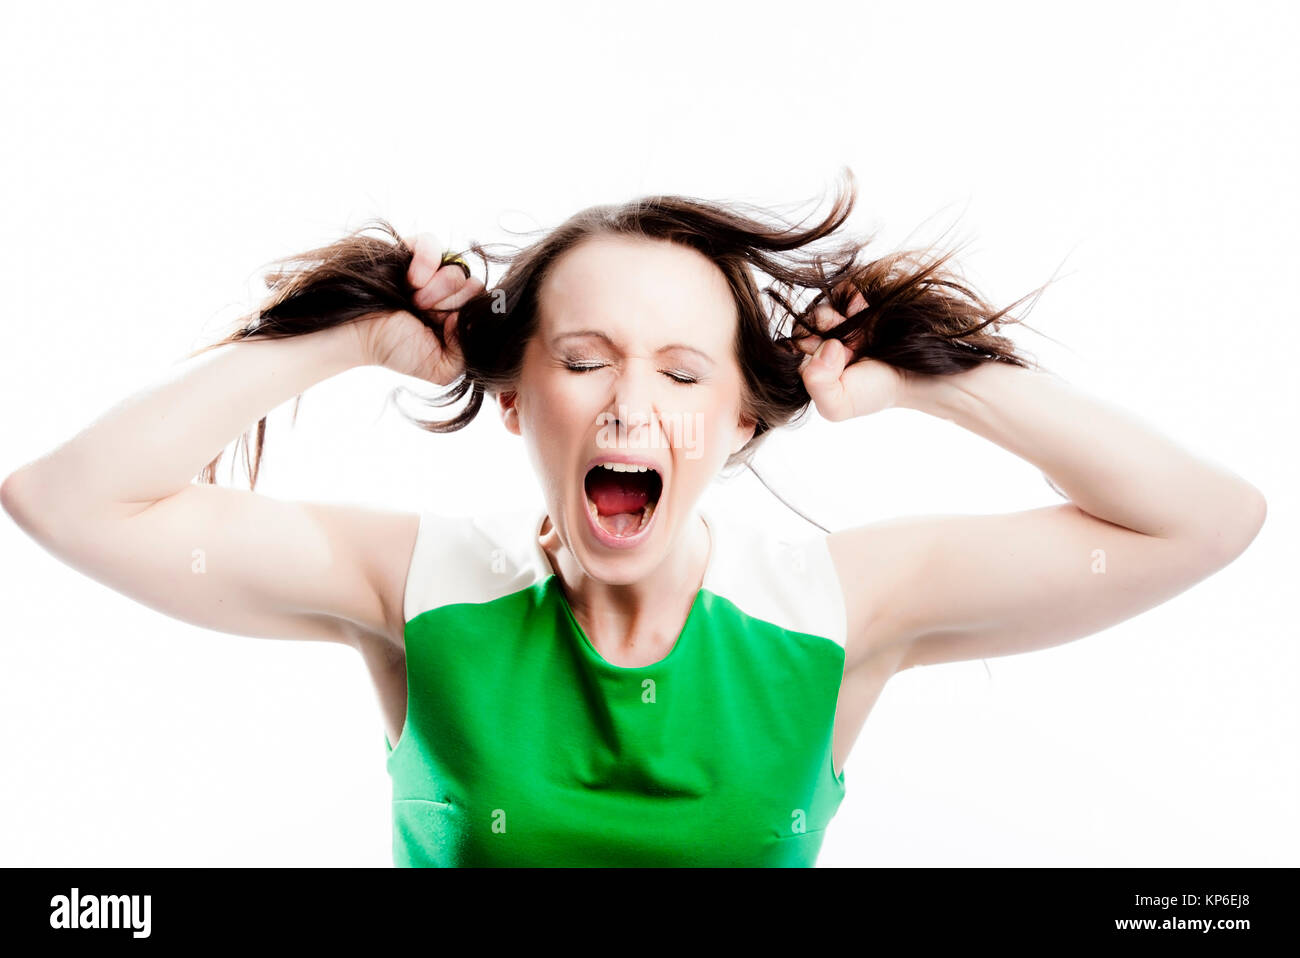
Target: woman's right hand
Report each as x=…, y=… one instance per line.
x=402, y=342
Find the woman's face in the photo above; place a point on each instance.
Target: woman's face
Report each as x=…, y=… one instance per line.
x=633, y=361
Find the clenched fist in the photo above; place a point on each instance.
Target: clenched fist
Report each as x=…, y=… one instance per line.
x=402, y=342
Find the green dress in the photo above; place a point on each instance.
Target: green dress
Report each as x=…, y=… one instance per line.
x=522, y=746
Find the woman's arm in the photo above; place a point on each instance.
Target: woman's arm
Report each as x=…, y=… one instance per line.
x=1147, y=520
x=116, y=502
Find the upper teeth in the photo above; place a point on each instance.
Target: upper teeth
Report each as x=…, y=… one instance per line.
x=622, y=467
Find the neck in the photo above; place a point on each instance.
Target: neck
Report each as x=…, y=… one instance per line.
x=635, y=623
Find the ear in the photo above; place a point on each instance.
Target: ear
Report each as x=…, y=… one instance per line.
x=744, y=432
x=507, y=403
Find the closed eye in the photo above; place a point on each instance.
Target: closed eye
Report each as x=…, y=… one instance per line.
x=675, y=375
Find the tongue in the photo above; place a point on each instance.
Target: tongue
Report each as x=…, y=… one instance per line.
x=623, y=524
x=619, y=500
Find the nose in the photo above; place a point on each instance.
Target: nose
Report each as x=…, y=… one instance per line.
x=633, y=402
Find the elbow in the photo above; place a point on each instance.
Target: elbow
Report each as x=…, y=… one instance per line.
x=1240, y=524
x=48, y=502
x=1257, y=513
x=13, y=493
x=22, y=500
x=17, y=495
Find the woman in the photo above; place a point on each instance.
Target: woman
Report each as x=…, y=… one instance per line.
x=620, y=678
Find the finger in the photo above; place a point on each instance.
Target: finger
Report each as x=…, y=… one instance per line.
x=457, y=261
x=468, y=290
x=426, y=259
x=805, y=333
x=807, y=344
x=829, y=359
x=446, y=282
x=452, y=361
x=450, y=334
x=824, y=317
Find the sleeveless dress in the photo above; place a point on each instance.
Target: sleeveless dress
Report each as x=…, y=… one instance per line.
x=522, y=746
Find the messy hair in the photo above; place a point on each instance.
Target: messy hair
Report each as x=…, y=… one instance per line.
x=920, y=316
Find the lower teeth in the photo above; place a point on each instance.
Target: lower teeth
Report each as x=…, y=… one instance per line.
x=646, y=512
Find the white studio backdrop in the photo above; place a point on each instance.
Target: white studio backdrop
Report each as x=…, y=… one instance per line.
x=156, y=156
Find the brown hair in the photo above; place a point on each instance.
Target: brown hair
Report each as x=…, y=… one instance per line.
x=919, y=315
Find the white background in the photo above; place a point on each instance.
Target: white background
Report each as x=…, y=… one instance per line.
x=156, y=156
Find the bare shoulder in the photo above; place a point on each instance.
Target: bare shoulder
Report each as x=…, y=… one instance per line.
x=876, y=564
x=381, y=542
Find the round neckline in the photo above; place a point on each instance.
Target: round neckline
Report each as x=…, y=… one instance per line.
x=552, y=582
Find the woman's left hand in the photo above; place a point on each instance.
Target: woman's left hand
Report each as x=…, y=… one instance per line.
x=839, y=388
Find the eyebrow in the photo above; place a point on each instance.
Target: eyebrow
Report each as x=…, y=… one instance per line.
x=598, y=334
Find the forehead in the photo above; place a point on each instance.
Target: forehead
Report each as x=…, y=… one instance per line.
x=635, y=287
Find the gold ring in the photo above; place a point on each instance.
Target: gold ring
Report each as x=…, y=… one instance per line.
x=448, y=260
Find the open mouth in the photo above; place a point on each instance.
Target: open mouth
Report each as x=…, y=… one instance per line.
x=621, y=497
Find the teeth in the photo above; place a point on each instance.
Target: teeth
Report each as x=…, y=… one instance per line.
x=622, y=467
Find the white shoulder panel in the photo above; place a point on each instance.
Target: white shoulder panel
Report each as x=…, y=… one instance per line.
x=791, y=582
x=470, y=559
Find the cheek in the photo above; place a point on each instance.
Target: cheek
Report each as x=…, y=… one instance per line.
x=709, y=432
x=560, y=405
x=574, y=413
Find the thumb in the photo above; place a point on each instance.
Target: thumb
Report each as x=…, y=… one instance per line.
x=822, y=377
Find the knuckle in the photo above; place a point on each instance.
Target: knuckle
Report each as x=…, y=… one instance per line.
x=426, y=296
x=425, y=259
